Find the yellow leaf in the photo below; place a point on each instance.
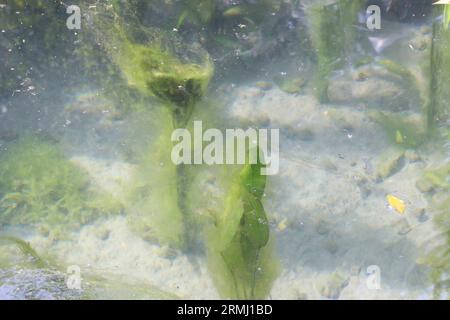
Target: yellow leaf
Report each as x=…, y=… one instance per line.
x=396, y=203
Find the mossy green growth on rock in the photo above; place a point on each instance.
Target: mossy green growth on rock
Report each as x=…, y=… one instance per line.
x=402, y=130
x=39, y=185
x=240, y=251
x=439, y=178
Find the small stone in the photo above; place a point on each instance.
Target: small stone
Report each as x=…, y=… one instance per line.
x=306, y=134
x=355, y=271
x=424, y=186
x=264, y=85
x=412, y=156
x=290, y=85
x=103, y=233
x=402, y=227
x=361, y=76
x=421, y=215
x=333, y=287
x=332, y=247
x=322, y=228
x=389, y=164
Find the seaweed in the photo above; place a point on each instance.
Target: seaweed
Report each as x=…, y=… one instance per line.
x=439, y=258
x=333, y=37
x=153, y=202
x=438, y=110
x=156, y=63
x=38, y=185
x=26, y=249
x=403, y=131
x=159, y=64
x=240, y=251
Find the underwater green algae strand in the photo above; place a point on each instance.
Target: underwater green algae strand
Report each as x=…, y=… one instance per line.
x=87, y=179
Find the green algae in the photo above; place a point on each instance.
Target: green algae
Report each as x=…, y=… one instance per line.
x=38, y=185
x=438, y=109
x=155, y=72
x=333, y=37
x=403, y=131
x=152, y=204
x=290, y=85
x=157, y=63
x=26, y=249
x=439, y=258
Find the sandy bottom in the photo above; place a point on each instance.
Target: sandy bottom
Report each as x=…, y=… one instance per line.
x=328, y=209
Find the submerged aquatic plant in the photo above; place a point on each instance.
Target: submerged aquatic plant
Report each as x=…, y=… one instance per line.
x=26, y=249
x=333, y=37
x=158, y=64
x=439, y=258
x=438, y=109
x=152, y=203
x=401, y=130
x=39, y=185
x=240, y=252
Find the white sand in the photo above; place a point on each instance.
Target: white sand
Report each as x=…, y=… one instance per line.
x=336, y=215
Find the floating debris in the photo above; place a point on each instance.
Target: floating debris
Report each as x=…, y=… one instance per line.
x=264, y=85
x=233, y=12
x=290, y=85
x=396, y=203
x=282, y=225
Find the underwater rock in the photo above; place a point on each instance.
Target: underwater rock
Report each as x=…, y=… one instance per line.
x=48, y=284
x=389, y=163
x=332, y=287
x=402, y=227
x=412, y=156
x=424, y=186
x=404, y=130
x=41, y=284
x=322, y=228
x=264, y=85
x=275, y=108
x=368, y=88
x=290, y=85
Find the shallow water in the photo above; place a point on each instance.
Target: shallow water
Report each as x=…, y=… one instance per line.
x=92, y=205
